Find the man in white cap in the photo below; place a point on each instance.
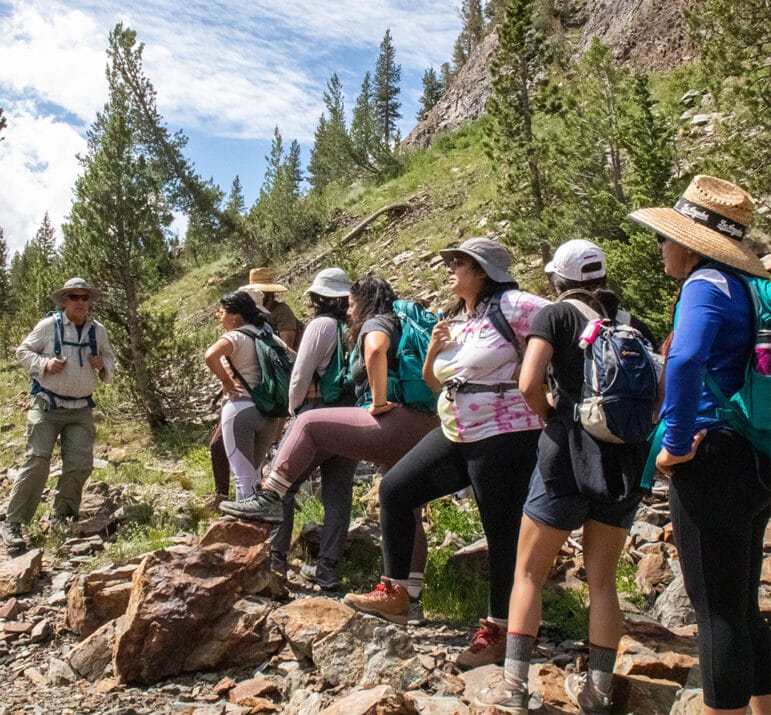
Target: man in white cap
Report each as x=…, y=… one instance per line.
x=66, y=354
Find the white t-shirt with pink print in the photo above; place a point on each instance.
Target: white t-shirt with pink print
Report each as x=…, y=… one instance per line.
x=479, y=354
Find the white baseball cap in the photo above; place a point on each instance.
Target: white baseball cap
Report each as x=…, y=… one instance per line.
x=578, y=260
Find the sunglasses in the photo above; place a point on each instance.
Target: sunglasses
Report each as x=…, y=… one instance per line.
x=454, y=262
x=79, y=296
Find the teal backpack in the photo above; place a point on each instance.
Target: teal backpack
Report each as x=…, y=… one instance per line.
x=336, y=381
x=748, y=410
x=271, y=394
x=410, y=388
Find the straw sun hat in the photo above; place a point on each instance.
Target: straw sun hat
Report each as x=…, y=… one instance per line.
x=711, y=219
x=262, y=279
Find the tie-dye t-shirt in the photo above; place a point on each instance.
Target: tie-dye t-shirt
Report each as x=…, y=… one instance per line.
x=478, y=353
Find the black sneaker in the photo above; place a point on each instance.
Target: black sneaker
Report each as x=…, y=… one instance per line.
x=322, y=573
x=12, y=536
x=263, y=505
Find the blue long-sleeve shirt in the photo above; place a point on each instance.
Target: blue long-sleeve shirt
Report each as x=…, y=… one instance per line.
x=713, y=332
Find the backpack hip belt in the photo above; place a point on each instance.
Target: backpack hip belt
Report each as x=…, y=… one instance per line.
x=452, y=388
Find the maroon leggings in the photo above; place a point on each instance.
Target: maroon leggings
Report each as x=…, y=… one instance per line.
x=354, y=433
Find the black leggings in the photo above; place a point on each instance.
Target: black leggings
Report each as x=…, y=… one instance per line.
x=720, y=504
x=498, y=469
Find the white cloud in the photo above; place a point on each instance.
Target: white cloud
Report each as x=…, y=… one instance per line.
x=222, y=68
x=39, y=167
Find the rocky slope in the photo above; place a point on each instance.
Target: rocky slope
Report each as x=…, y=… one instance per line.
x=644, y=34
x=203, y=627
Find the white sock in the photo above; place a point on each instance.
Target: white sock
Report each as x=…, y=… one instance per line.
x=415, y=584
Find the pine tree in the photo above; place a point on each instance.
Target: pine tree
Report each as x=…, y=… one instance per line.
x=3, y=123
x=182, y=187
x=735, y=41
x=278, y=216
x=432, y=91
x=472, y=31
x=386, y=90
x=236, y=204
x=647, y=139
x=331, y=153
x=365, y=136
x=445, y=76
x=525, y=194
x=115, y=233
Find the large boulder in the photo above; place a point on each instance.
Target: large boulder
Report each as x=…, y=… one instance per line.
x=18, y=575
x=306, y=621
x=180, y=594
x=381, y=700
x=98, y=597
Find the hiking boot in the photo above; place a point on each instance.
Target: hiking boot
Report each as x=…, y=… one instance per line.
x=12, y=536
x=321, y=573
x=508, y=695
x=263, y=505
x=279, y=563
x=586, y=695
x=61, y=525
x=487, y=646
x=415, y=615
x=388, y=600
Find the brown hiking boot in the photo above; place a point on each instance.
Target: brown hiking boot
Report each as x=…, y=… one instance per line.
x=586, y=695
x=487, y=646
x=504, y=694
x=388, y=600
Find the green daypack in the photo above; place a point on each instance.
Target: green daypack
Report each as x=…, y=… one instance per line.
x=336, y=380
x=271, y=394
x=748, y=410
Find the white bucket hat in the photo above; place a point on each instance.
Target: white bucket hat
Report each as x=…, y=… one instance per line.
x=331, y=283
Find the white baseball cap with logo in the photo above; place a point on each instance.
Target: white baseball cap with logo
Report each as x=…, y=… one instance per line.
x=578, y=260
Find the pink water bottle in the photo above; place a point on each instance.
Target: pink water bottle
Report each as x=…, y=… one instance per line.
x=590, y=333
x=763, y=353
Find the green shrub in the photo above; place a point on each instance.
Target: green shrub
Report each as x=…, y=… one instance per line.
x=565, y=613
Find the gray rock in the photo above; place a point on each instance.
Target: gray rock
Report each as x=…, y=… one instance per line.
x=672, y=607
x=60, y=672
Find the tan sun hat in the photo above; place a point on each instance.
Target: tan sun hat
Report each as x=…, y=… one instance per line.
x=711, y=218
x=58, y=296
x=262, y=279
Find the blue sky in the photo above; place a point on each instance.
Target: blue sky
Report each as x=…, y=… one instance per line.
x=225, y=73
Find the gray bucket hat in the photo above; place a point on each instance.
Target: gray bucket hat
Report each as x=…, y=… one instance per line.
x=331, y=283
x=74, y=284
x=493, y=258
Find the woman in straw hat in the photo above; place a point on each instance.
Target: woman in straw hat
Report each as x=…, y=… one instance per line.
x=719, y=496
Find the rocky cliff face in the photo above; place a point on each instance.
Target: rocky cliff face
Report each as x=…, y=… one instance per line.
x=644, y=34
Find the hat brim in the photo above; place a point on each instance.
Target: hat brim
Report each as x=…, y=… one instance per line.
x=268, y=287
x=700, y=239
x=58, y=295
x=327, y=292
x=496, y=274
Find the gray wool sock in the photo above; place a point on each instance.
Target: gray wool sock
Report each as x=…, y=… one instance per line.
x=601, y=664
x=519, y=648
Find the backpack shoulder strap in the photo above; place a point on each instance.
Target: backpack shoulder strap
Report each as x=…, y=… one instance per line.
x=586, y=310
x=58, y=332
x=498, y=319
x=92, y=338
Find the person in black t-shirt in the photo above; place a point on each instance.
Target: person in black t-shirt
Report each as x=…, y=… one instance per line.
x=570, y=461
